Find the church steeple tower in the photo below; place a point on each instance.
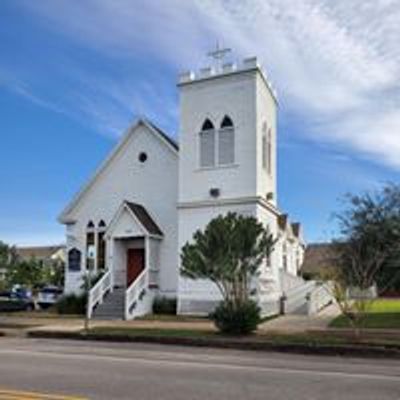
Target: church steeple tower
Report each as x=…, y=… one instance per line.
x=227, y=133
x=227, y=157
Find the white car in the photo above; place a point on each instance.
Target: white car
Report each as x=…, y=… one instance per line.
x=48, y=296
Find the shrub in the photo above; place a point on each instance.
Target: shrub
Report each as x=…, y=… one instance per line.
x=238, y=320
x=72, y=304
x=164, y=305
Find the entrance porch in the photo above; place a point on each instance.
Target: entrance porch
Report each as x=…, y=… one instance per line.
x=131, y=280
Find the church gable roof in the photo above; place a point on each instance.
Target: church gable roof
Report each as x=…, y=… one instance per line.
x=157, y=132
x=164, y=135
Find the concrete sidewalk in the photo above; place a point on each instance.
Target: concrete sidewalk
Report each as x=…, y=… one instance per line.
x=301, y=323
x=283, y=324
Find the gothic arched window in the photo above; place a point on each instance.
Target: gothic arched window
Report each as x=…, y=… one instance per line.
x=285, y=257
x=90, y=245
x=226, y=142
x=264, y=145
x=269, y=151
x=207, y=144
x=74, y=260
x=267, y=148
x=226, y=122
x=90, y=225
x=101, y=245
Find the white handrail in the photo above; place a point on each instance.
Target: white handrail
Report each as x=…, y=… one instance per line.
x=98, y=291
x=133, y=293
x=320, y=297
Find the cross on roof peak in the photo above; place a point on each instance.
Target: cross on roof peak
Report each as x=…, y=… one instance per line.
x=218, y=54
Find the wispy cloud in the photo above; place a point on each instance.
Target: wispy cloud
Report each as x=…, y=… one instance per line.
x=336, y=64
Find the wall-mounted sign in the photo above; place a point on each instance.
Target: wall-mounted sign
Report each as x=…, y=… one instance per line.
x=91, y=251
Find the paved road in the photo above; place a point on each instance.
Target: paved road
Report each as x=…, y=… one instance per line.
x=136, y=371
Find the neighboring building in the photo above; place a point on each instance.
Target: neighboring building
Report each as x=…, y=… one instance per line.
x=52, y=256
x=44, y=254
x=148, y=198
x=318, y=258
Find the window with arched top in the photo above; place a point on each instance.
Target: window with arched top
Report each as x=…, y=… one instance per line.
x=264, y=145
x=269, y=151
x=90, y=245
x=207, y=144
x=74, y=260
x=267, y=148
x=226, y=142
x=284, y=257
x=101, y=246
x=90, y=225
x=207, y=125
x=226, y=122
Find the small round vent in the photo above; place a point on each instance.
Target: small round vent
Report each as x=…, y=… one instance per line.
x=214, y=192
x=142, y=157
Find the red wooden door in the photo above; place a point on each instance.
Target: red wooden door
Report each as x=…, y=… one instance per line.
x=135, y=264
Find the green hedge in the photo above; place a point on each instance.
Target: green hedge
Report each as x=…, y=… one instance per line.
x=237, y=320
x=72, y=304
x=164, y=305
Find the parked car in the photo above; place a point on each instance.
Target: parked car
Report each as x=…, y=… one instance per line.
x=48, y=296
x=17, y=299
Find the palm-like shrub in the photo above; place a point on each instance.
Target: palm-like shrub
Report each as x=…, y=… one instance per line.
x=229, y=252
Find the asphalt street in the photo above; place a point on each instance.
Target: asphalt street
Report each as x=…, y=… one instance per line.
x=54, y=369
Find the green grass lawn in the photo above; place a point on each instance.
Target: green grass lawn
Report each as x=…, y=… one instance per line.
x=384, y=314
x=165, y=332
x=308, y=339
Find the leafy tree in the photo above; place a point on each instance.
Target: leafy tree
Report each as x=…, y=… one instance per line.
x=229, y=253
x=8, y=255
x=368, y=249
x=8, y=258
x=370, y=227
x=27, y=273
x=53, y=273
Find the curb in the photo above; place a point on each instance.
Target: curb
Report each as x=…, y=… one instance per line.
x=363, y=351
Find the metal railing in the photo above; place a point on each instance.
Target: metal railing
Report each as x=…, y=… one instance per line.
x=98, y=291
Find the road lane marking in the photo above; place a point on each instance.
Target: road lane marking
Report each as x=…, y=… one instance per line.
x=6, y=394
x=197, y=364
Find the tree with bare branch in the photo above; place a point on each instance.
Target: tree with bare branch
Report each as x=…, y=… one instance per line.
x=370, y=229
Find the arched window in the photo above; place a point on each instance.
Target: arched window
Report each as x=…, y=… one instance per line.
x=207, y=144
x=74, y=260
x=90, y=225
x=226, y=122
x=90, y=245
x=284, y=257
x=269, y=151
x=101, y=246
x=264, y=145
x=267, y=148
x=226, y=142
x=207, y=125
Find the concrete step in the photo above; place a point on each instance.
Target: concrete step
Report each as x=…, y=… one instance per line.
x=113, y=306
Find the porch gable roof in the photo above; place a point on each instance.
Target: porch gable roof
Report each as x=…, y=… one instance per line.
x=142, y=222
x=144, y=218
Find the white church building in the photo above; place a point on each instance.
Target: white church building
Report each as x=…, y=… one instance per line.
x=150, y=195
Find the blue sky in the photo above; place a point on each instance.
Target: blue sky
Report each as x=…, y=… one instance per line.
x=74, y=75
